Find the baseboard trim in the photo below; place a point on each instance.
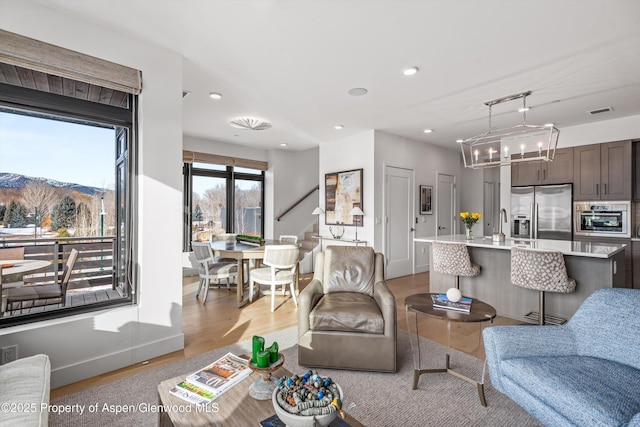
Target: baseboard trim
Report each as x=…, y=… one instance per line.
x=110, y=362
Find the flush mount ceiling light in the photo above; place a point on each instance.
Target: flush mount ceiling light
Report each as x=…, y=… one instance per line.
x=250, y=123
x=338, y=127
x=215, y=95
x=358, y=91
x=283, y=144
x=534, y=143
x=410, y=71
x=428, y=130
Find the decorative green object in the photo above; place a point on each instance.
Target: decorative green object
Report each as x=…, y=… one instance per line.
x=273, y=352
x=257, y=346
x=263, y=359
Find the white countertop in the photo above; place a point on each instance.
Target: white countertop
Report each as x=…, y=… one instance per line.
x=567, y=247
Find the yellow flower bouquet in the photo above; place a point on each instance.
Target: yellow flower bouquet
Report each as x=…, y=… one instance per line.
x=469, y=219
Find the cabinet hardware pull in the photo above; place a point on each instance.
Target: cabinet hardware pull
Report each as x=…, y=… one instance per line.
x=597, y=190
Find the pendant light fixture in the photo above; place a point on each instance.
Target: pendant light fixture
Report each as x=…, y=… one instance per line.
x=516, y=144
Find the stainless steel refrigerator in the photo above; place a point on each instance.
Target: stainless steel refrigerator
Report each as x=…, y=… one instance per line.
x=542, y=212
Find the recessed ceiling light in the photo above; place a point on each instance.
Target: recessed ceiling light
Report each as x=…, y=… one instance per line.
x=428, y=130
x=549, y=125
x=459, y=140
x=410, y=71
x=358, y=91
x=283, y=144
x=523, y=109
x=338, y=127
x=215, y=95
x=250, y=123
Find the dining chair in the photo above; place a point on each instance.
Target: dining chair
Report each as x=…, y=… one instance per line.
x=50, y=294
x=211, y=268
x=281, y=266
x=287, y=238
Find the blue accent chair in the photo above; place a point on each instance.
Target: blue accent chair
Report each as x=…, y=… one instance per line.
x=583, y=373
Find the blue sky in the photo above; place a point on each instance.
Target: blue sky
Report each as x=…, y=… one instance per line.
x=66, y=152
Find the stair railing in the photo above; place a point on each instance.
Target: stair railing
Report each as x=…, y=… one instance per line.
x=300, y=200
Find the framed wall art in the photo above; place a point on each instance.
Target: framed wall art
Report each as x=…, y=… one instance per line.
x=343, y=192
x=426, y=205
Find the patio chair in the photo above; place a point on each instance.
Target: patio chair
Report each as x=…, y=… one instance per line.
x=40, y=295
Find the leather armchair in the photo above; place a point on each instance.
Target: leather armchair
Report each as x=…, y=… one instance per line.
x=347, y=314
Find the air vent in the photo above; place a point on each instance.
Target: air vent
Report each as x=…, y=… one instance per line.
x=601, y=110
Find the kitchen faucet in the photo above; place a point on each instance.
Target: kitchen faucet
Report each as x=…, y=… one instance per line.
x=503, y=214
x=499, y=237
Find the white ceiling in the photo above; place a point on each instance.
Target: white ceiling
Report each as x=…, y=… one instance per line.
x=293, y=61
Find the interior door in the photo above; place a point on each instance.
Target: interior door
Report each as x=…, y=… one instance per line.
x=399, y=226
x=446, y=204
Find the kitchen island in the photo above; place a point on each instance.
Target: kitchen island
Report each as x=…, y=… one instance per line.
x=592, y=265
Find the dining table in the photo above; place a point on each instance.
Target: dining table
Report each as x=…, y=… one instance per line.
x=241, y=251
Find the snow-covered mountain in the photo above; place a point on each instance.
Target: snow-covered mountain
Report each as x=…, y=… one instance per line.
x=14, y=180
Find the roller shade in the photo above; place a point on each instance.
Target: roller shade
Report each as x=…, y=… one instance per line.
x=33, y=54
x=192, y=157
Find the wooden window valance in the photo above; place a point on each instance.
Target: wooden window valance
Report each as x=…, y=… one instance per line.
x=36, y=55
x=193, y=157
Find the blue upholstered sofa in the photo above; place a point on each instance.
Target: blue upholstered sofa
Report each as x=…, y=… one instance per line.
x=583, y=373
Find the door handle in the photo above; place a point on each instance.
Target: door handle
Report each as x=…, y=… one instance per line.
x=412, y=229
x=441, y=227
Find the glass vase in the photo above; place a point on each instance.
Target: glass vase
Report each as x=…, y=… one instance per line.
x=468, y=233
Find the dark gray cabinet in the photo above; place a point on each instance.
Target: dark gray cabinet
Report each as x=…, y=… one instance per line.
x=602, y=171
x=636, y=264
x=636, y=172
x=558, y=171
x=628, y=255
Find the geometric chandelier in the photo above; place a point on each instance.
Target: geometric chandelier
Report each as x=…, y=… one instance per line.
x=506, y=146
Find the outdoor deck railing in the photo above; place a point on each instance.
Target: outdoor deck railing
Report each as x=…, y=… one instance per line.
x=94, y=266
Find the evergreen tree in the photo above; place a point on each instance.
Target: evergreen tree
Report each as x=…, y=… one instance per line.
x=64, y=213
x=19, y=216
x=197, y=214
x=9, y=213
x=3, y=209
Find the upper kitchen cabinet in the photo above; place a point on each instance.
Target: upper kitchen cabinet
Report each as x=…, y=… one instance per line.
x=602, y=171
x=558, y=171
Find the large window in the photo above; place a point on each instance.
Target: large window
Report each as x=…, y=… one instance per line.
x=67, y=174
x=221, y=199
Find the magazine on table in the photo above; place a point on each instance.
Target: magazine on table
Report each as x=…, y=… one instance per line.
x=220, y=376
x=187, y=395
x=441, y=301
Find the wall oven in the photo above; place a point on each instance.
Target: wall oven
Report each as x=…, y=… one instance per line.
x=602, y=219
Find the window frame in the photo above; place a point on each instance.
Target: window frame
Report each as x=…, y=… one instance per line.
x=230, y=175
x=60, y=107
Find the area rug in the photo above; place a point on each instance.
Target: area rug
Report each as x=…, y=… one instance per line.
x=374, y=399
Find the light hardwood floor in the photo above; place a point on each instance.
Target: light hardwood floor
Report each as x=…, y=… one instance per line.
x=219, y=323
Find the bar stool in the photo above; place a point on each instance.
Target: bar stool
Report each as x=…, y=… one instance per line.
x=543, y=271
x=453, y=258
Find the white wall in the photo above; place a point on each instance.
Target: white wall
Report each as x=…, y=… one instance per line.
x=427, y=161
x=86, y=345
x=354, y=152
x=295, y=173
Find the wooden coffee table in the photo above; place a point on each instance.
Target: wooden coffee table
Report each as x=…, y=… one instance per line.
x=422, y=304
x=233, y=408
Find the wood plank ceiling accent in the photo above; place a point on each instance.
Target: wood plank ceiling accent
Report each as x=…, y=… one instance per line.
x=31, y=79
